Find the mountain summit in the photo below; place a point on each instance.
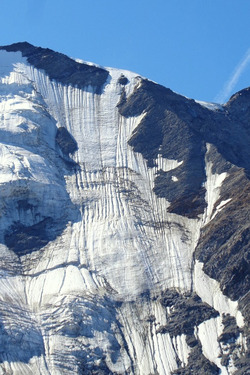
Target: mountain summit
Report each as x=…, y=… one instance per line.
x=124, y=223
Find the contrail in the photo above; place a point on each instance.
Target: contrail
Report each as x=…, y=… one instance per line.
x=232, y=82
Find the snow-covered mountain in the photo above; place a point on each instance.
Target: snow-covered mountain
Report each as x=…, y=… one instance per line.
x=124, y=223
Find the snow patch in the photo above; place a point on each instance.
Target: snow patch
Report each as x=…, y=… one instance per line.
x=213, y=184
x=211, y=106
x=209, y=291
x=167, y=164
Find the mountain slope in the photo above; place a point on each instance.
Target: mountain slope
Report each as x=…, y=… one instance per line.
x=124, y=223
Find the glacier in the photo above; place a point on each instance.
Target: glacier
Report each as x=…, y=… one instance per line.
x=102, y=270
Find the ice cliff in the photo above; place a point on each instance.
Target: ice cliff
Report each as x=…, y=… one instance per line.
x=124, y=223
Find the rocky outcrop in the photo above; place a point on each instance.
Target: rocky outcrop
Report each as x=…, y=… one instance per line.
x=60, y=67
x=186, y=312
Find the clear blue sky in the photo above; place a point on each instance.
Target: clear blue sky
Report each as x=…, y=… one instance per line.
x=191, y=46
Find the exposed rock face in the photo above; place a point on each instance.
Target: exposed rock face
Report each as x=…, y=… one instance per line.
x=198, y=364
x=64, y=140
x=124, y=223
x=186, y=312
x=60, y=67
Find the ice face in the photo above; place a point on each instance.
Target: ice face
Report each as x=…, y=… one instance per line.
x=32, y=189
x=88, y=249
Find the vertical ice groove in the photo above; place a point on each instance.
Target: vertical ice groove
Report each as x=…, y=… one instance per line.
x=209, y=290
x=208, y=333
x=212, y=185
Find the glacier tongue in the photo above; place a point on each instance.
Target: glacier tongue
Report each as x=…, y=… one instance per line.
x=88, y=298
